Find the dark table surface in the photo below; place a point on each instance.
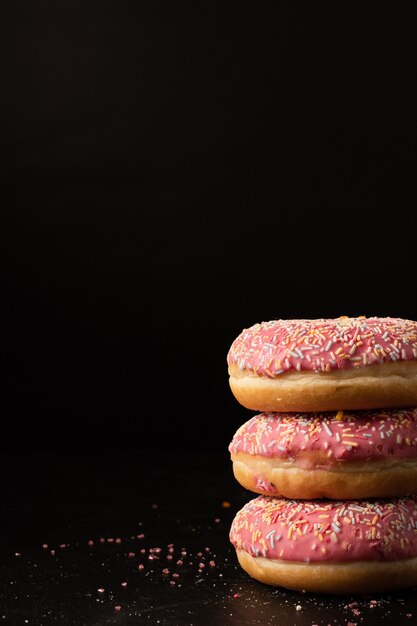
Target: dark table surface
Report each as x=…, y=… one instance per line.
x=140, y=538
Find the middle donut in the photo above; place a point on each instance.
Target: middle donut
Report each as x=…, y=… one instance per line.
x=338, y=455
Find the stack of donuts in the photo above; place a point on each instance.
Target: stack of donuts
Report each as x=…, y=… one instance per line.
x=332, y=451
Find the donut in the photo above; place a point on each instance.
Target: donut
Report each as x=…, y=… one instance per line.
x=325, y=364
x=343, y=455
x=328, y=546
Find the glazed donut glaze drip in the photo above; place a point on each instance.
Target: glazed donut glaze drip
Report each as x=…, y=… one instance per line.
x=341, y=436
x=322, y=345
x=323, y=530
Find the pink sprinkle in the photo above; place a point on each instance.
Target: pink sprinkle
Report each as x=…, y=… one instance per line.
x=165, y=570
x=90, y=542
x=169, y=557
x=142, y=550
x=110, y=540
x=170, y=545
x=102, y=540
x=45, y=546
x=124, y=584
x=190, y=563
x=236, y=595
x=200, y=554
x=118, y=540
x=117, y=608
x=155, y=550
x=217, y=520
x=183, y=552
x=172, y=582
x=212, y=564
x=101, y=590
x=53, y=552
x=201, y=565
x=154, y=506
x=140, y=566
x=175, y=575
x=179, y=562
x=409, y=615
x=18, y=554
x=207, y=549
x=131, y=555
x=171, y=550
x=141, y=536
x=63, y=545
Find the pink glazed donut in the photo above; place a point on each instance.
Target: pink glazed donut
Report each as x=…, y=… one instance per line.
x=330, y=547
x=343, y=455
x=325, y=364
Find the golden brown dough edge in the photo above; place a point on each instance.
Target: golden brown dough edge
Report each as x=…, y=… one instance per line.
x=297, y=483
x=336, y=578
x=386, y=385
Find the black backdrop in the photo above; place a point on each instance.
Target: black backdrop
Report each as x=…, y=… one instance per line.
x=174, y=172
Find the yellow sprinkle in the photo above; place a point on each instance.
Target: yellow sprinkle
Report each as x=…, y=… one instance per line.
x=324, y=516
x=339, y=415
x=350, y=443
x=375, y=519
x=298, y=529
x=347, y=520
x=339, y=350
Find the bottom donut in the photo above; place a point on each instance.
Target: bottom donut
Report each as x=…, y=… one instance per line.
x=328, y=547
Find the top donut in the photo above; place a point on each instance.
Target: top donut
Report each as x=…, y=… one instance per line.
x=325, y=364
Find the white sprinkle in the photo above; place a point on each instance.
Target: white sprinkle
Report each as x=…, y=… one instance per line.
x=270, y=536
x=327, y=429
x=329, y=345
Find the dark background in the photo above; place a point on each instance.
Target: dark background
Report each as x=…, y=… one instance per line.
x=175, y=172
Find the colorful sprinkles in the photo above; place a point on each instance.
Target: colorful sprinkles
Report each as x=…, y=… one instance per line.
x=323, y=530
x=359, y=435
x=322, y=345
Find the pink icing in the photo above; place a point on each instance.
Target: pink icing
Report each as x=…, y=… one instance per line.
x=359, y=435
x=323, y=530
x=322, y=345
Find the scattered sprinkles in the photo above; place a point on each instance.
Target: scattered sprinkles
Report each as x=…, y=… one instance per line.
x=278, y=346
